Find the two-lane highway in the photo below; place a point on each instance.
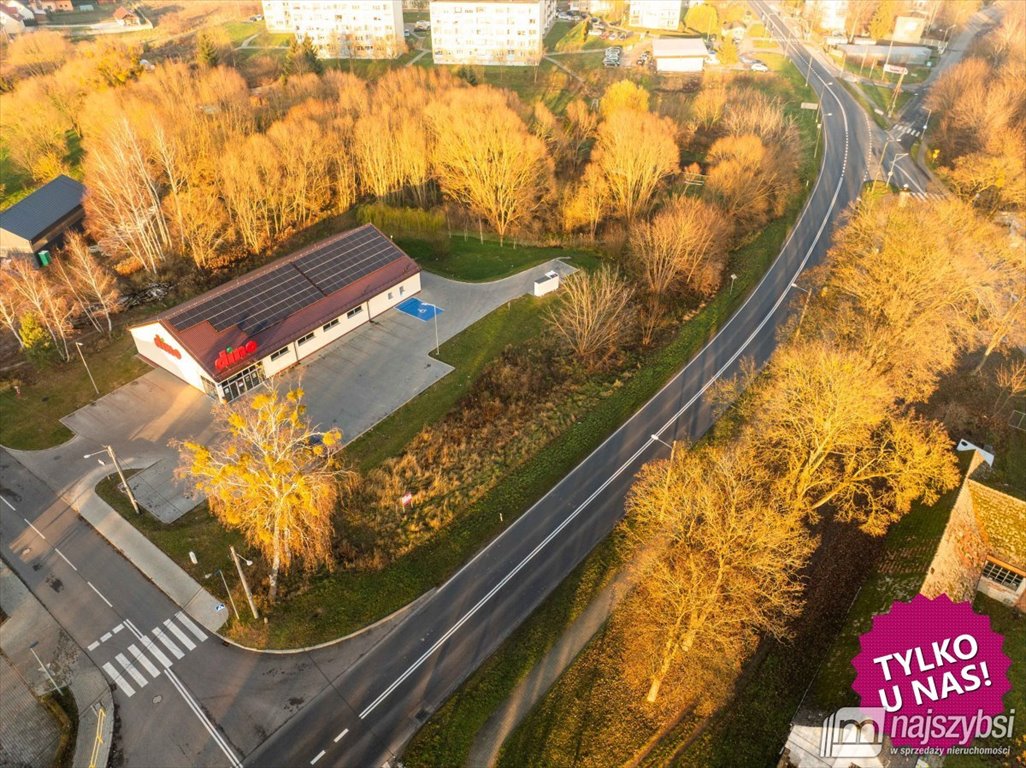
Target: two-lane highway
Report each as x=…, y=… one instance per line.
x=373, y=708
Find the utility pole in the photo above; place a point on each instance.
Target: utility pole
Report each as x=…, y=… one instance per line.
x=109, y=450
x=78, y=346
x=245, y=584
x=897, y=90
x=805, y=306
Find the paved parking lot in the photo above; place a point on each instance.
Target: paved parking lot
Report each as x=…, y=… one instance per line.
x=351, y=384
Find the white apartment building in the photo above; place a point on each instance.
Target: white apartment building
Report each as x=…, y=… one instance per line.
x=508, y=32
x=342, y=29
x=655, y=14
x=828, y=15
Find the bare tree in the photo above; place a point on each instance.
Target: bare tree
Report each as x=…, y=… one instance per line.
x=9, y=309
x=594, y=314
x=90, y=279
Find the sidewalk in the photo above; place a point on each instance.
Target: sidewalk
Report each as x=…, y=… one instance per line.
x=532, y=689
x=28, y=623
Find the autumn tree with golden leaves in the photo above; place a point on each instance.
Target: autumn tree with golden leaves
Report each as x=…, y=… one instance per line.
x=273, y=477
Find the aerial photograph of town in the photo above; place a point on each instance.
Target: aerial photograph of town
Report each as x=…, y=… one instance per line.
x=512, y=383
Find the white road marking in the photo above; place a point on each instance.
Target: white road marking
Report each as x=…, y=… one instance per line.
x=118, y=628
x=93, y=645
x=319, y=756
x=182, y=637
x=339, y=737
x=133, y=629
x=573, y=515
x=38, y=532
x=118, y=679
x=65, y=559
x=100, y=594
x=218, y=739
x=141, y=658
x=170, y=646
x=155, y=650
x=130, y=669
x=105, y=637
x=5, y=501
x=188, y=624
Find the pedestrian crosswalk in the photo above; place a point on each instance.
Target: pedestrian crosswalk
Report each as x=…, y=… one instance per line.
x=905, y=128
x=926, y=195
x=145, y=658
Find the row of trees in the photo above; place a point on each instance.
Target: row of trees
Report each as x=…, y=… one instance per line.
x=40, y=306
x=721, y=532
x=980, y=108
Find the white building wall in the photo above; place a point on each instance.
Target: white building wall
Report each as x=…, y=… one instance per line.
x=391, y=297
x=186, y=368
x=361, y=29
x=679, y=64
x=512, y=33
x=655, y=14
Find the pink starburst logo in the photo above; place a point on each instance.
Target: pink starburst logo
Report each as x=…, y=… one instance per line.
x=938, y=671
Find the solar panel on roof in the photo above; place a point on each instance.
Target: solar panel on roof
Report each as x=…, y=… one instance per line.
x=271, y=297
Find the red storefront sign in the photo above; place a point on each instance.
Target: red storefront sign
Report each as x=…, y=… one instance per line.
x=229, y=357
x=159, y=342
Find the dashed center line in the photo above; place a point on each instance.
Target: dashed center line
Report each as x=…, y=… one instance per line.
x=339, y=737
x=318, y=757
x=98, y=592
x=65, y=559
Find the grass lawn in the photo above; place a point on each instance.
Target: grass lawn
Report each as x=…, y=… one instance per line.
x=474, y=261
x=240, y=30
x=196, y=531
x=266, y=39
x=1012, y=625
x=561, y=29
x=14, y=183
x=881, y=97
x=30, y=422
x=468, y=353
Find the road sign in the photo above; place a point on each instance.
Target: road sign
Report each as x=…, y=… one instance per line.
x=810, y=105
x=406, y=499
x=895, y=70
x=219, y=607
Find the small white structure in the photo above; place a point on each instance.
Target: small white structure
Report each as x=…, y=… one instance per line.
x=10, y=21
x=679, y=54
x=547, y=283
x=510, y=32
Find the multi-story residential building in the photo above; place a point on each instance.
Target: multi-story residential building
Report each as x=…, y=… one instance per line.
x=655, y=14
x=829, y=16
x=342, y=29
x=490, y=31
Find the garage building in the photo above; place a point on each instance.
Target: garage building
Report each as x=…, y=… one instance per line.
x=40, y=220
x=679, y=54
x=232, y=338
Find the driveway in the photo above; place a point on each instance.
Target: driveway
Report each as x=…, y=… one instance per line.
x=351, y=384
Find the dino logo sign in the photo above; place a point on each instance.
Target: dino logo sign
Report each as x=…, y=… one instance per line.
x=230, y=356
x=159, y=342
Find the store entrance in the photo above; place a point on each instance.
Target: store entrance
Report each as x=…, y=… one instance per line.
x=242, y=382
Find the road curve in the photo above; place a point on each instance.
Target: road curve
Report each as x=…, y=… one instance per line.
x=370, y=711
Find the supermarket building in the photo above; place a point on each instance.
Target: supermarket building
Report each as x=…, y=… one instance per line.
x=233, y=338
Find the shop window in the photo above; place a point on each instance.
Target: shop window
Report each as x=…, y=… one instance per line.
x=303, y=339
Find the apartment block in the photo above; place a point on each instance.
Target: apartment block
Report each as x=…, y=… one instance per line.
x=342, y=29
x=510, y=32
x=655, y=14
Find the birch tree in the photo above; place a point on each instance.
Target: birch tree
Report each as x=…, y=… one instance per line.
x=98, y=286
x=273, y=477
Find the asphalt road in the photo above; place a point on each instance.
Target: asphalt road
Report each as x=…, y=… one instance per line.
x=373, y=708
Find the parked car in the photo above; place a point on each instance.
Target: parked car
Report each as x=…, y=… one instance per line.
x=758, y=66
x=422, y=26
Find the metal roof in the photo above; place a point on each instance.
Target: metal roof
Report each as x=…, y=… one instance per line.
x=290, y=296
x=45, y=207
x=679, y=46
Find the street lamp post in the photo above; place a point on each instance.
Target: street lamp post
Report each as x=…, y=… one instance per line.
x=926, y=123
x=733, y=277
x=78, y=345
x=895, y=159
x=805, y=306
x=808, y=73
x=245, y=584
x=109, y=450
x=435, y=308
x=883, y=155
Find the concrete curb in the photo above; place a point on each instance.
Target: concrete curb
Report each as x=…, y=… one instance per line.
x=136, y=548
